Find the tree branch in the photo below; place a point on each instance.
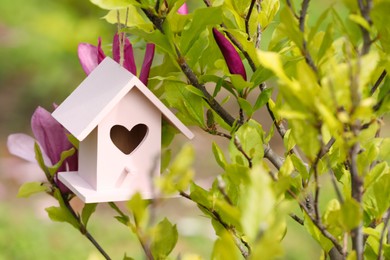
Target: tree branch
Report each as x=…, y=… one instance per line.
x=381, y=241
x=247, y=18
x=83, y=228
x=378, y=82
x=305, y=51
x=272, y=157
x=319, y=225
x=357, y=194
x=289, y=4
x=365, y=11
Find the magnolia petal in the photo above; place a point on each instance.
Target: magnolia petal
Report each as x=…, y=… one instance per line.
x=88, y=57
x=49, y=134
x=183, y=9
x=22, y=145
x=230, y=54
x=148, y=59
x=128, y=55
x=100, y=52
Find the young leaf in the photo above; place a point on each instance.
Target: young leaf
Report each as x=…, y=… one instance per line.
x=263, y=98
x=138, y=207
x=61, y=215
x=30, y=188
x=88, y=210
x=224, y=248
x=164, y=239
x=219, y=156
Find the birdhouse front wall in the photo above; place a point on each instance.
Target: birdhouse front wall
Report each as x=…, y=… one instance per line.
x=128, y=147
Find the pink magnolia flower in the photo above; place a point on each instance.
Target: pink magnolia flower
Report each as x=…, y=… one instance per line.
x=183, y=9
x=90, y=56
x=51, y=137
x=230, y=54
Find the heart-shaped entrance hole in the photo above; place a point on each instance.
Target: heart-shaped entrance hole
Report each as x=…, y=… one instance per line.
x=127, y=141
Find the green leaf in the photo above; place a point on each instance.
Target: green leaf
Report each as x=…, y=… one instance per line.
x=258, y=192
x=310, y=145
x=250, y=136
x=289, y=26
x=269, y=8
x=245, y=106
x=88, y=210
x=189, y=105
x=200, y=195
x=219, y=156
x=358, y=19
x=300, y=166
x=164, y=239
x=41, y=163
x=30, y=188
x=114, y=4
x=225, y=248
x=263, y=98
x=64, y=155
x=180, y=173
x=60, y=214
x=133, y=19
x=199, y=24
x=325, y=243
x=378, y=15
x=138, y=207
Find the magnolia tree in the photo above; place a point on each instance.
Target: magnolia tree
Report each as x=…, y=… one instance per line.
x=324, y=86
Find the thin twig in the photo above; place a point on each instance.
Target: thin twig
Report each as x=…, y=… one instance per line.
x=258, y=30
x=238, y=145
x=381, y=241
x=207, y=3
x=297, y=219
x=242, y=245
x=247, y=18
x=378, y=82
x=318, y=224
x=289, y=4
x=365, y=11
x=83, y=228
x=305, y=51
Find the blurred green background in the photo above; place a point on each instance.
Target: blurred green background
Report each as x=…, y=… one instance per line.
x=39, y=66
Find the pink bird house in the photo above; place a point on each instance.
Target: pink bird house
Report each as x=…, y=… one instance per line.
x=117, y=120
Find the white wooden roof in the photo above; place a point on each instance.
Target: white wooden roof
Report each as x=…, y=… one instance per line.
x=97, y=95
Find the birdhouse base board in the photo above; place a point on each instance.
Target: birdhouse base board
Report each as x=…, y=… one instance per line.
x=88, y=194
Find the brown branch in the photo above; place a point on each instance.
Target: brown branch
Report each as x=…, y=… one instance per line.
x=83, y=228
x=382, y=238
x=258, y=31
x=207, y=3
x=247, y=18
x=378, y=82
x=272, y=157
x=297, y=219
x=305, y=51
x=318, y=224
x=365, y=11
x=289, y=4
x=357, y=194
